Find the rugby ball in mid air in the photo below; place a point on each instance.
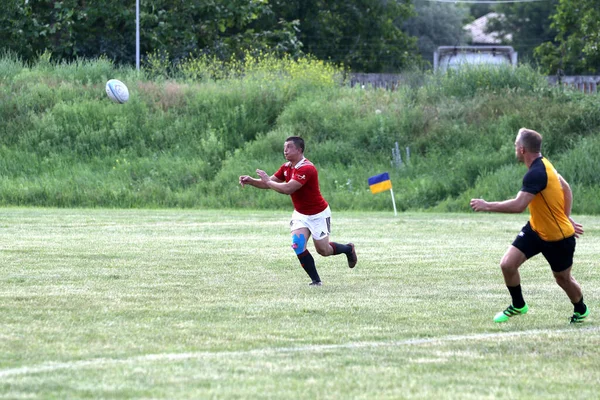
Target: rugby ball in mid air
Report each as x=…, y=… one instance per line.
x=117, y=91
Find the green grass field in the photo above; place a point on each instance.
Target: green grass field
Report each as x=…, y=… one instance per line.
x=213, y=304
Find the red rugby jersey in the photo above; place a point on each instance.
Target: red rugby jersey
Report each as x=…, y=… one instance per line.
x=308, y=199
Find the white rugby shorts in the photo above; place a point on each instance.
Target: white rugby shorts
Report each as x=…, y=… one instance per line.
x=319, y=224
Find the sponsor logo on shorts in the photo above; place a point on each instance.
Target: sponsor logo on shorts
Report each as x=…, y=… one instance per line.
x=521, y=234
x=323, y=234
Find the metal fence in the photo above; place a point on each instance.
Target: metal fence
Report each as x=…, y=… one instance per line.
x=583, y=83
x=385, y=81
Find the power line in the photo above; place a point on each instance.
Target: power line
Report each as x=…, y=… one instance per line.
x=484, y=1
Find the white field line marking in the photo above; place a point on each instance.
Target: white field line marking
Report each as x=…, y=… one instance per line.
x=103, y=362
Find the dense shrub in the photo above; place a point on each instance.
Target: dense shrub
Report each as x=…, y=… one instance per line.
x=183, y=139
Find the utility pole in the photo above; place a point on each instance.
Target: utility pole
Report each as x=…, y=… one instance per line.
x=137, y=35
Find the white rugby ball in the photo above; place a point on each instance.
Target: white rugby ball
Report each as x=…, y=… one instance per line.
x=117, y=91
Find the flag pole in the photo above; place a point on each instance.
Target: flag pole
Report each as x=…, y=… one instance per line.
x=393, y=202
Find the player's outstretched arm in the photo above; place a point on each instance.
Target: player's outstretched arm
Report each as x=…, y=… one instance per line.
x=516, y=205
x=281, y=187
x=248, y=180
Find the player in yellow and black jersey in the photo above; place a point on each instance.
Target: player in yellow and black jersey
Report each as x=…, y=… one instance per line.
x=550, y=229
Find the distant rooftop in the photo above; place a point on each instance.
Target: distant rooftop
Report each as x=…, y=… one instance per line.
x=477, y=30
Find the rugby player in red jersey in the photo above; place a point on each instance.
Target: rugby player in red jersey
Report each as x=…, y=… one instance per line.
x=550, y=230
x=299, y=179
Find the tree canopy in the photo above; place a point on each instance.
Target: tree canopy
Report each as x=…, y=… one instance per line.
x=361, y=34
x=436, y=24
x=525, y=25
x=576, y=49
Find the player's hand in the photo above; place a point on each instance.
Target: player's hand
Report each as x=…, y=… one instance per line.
x=479, y=205
x=578, y=227
x=244, y=179
x=263, y=175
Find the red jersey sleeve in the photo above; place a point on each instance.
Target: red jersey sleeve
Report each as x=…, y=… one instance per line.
x=280, y=174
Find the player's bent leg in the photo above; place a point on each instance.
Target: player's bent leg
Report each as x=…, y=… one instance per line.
x=326, y=248
x=308, y=263
x=348, y=250
x=567, y=282
x=510, y=263
x=299, y=239
x=323, y=246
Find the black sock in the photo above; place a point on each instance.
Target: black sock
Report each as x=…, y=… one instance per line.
x=308, y=263
x=340, y=248
x=517, y=296
x=580, y=307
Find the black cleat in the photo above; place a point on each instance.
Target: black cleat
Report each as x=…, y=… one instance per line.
x=352, y=259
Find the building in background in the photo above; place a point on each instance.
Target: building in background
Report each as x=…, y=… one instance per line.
x=478, y=33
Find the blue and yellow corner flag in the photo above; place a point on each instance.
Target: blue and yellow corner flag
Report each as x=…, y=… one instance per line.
x=380, y=183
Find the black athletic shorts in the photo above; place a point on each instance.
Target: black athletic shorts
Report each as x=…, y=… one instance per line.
x=559, y=254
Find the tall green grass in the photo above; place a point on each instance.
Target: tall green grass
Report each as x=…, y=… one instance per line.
x=190, y=129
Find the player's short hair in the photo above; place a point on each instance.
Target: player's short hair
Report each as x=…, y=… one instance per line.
x=298, y=142
x=530, y=140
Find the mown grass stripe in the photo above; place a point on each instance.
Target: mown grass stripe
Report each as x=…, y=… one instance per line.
x=103, y=362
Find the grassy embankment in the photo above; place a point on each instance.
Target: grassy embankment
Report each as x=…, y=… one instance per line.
x=182, y=140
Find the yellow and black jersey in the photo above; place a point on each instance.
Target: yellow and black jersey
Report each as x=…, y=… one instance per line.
x=547, y=209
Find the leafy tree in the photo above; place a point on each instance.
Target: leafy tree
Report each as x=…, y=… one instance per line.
x=364, y=35
x=576, y=49
x=29, y=27
x=218, y=27
x=524, y=25
x=436, y=24
x=79, y=28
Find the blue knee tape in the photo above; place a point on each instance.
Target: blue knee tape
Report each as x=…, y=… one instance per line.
x=298, y=243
